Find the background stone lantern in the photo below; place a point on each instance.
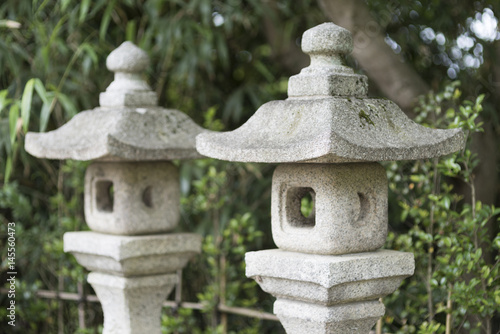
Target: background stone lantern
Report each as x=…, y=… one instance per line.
x=131, y=194
x=329, y=271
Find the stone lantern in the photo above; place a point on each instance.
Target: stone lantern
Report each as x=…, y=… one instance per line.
x=329, y=271
x=131, y=194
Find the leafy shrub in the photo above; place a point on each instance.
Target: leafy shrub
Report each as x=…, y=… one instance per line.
x=457, y=271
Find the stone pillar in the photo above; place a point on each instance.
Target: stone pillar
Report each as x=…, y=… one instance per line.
x=329, y=272
x=131, y=194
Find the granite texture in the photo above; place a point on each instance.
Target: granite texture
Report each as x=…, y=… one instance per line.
x=327, y=39
x=131, y=198
x=127, y=58
x=328, y=293
x=132, y=305
x=355, y=318
x=128, y=126
x=120, y=134
x=329, y=130
x=350, y=208
x=328, y=118
x=128, y=88
x=338, y=294
x=132, y=255
x=327, y=279
x=327, y=45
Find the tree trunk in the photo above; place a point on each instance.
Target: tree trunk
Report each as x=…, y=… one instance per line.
x=284, y=49
x=395, y=78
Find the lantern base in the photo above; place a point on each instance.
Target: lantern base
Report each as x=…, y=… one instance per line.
x=328, y=293
x=132, y=305
x=354, y=318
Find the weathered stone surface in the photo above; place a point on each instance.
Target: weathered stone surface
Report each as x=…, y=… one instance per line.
x=131, y=198
x=327, y=44
x=353, y=318
x=132, y=305
x=132, y=255
x=327, y=39
x=119, y=134
x=350, y=208
x=127, y=58
x=329, y=130
x=309, y=84
x=328, y=118
x=128, y=88
x=329, y=280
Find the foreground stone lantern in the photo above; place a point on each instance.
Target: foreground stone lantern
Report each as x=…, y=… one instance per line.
x=329, y=271
x=131, y=194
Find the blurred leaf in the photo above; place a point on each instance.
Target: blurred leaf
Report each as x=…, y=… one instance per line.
x=106, y=19
x=40, y=89
x=26, y=103
x=13, y=118
x=45, y=113
x=4, y=101
x=8, y=169
x=84, y=9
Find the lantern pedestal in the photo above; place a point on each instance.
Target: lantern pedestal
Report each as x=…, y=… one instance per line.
x=131, y=194
x=328, y=293
x=353, y=318
x=132, y=305
x=132, y=275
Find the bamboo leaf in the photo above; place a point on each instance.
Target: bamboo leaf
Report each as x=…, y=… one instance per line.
x=65, y=4
x=26, y=103
x=84, y=9
x=106, y=19
x=8, y=169
x=44, y=114
x=56, y=30
x=131, y=31
x=13, y=117
x=262, y=69
x=40, y=89
x=67, y=104
x=90, y=52
x=4, y=101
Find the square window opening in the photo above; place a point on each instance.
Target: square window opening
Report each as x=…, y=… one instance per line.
x=300, y=207
x=104, y=196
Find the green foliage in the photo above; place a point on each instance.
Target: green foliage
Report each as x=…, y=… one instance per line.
x=181, y=321
x=229, y=236
x=223, y=259
x=39, y=245
x=230, y=247
x=457, y=263
x=307, y=205
x=52, y=57
x=212, y=60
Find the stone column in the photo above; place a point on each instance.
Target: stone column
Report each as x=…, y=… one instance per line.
x=131, y=194
x=329, y=272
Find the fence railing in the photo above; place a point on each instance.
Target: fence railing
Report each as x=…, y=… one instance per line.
x=82, y=299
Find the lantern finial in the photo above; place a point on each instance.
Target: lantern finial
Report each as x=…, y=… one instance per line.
x=128, y=89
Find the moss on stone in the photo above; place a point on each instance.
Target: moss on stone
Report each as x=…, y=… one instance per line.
x=364, y=115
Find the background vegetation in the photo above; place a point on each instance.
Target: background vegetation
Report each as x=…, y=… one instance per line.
x=218, y=61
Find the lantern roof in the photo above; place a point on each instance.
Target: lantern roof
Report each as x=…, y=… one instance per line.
x=128, y=124
x=328, y=118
